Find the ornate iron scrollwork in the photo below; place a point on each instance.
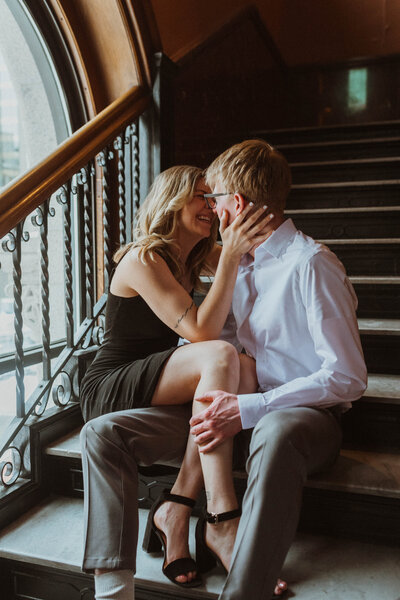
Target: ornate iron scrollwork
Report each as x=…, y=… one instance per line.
x=10, y=466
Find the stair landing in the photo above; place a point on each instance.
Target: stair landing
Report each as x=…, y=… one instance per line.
x=50, y=535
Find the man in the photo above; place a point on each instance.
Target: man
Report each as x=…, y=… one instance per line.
x=293, y=313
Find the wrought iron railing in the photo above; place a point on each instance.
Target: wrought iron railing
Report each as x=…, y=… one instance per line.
x=83, y=199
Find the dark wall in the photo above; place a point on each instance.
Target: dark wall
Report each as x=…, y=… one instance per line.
x=228, y=90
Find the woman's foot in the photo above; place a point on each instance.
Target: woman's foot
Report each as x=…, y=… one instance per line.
x=220, y=538
x=173, y=521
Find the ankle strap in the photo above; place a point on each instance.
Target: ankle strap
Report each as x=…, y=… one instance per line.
x=226, y=516
x=167, y=496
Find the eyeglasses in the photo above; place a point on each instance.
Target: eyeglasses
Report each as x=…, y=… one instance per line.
x=211, y=201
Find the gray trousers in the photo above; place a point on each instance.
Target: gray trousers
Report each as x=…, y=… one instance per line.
x=286, y=446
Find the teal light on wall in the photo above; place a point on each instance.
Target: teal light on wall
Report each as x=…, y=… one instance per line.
x=357, y=89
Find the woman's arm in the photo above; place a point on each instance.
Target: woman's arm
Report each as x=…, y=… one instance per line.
x=212, y=260
x=172, y=303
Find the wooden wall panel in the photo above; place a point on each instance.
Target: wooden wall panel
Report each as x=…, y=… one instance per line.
x=305, y=31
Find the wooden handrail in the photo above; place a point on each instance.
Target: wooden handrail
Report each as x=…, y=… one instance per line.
x=30, y=190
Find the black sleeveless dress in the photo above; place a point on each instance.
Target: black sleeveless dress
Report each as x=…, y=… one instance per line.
x=127, y=366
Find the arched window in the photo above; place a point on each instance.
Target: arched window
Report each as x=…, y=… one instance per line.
x=35, y=117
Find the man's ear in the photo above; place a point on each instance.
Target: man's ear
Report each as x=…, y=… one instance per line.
x=240, y=203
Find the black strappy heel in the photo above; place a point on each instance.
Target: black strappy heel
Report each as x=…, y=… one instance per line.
x=207, y=559
x=154, y=541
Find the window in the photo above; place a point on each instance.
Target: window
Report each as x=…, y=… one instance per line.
x=357, y=89
x=33, y=122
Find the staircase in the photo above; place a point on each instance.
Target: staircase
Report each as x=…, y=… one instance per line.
x=346, y=184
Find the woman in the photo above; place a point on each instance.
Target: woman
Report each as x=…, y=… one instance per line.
x=140, y=363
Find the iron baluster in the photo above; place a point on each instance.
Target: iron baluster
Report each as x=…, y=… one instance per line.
x=136, y=165
x=103, y=159
x=83, y=180
x=64, y=198
x=119, y=146
x=13, y=244
x=41, y=220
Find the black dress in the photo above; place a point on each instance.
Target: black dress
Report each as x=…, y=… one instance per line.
x=127, y=366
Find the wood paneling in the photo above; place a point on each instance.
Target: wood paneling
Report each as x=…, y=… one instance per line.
x=305, y=31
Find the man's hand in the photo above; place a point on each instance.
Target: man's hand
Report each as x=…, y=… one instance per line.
x=218, y=422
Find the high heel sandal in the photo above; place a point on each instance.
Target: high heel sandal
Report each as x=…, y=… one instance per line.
x=206, y=558
x=154, y=541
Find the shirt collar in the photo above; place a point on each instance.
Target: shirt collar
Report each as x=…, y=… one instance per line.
x=278, y=242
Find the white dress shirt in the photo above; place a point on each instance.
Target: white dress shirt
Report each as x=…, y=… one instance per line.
x=293, y=311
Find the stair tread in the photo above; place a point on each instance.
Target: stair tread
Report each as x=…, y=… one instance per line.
x=68, y=445
x=377, y=280
x=379, y=326
x=347, y=184
x=364, y=471
x=346, y=162
x=383, y=387
x=51, y=535
x=328, y=144
x=343, y=211
x=321, y=129
x=357, y=241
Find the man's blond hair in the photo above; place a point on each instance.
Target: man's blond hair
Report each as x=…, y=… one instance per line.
x=254, y=169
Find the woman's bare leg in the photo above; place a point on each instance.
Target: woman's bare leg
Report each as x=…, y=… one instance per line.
x=217, y=468
x=201, y=367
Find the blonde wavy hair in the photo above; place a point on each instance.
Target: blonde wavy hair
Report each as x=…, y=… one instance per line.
x=157, y=223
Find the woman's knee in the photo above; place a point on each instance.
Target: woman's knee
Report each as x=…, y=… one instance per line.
x=221, y=355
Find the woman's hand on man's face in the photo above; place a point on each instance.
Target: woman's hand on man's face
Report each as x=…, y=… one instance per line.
x=250, y=228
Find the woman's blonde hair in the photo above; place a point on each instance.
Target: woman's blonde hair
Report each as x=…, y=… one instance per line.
x=157, y=223
x=255, y=169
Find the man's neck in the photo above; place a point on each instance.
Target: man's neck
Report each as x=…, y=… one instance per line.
x=273, y=226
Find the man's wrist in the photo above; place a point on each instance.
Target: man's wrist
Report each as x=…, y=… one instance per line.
x=251, y=409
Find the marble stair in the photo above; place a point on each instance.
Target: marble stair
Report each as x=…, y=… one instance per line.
x=44, y=549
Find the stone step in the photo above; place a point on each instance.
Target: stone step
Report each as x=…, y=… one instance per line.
x=51, y=536
x=368, y=257
x=379, y=327
x=384, y=389
x=380, y=340
x=374, y=423
x=44, y=548
x=378, y=411
x=344, y=194
x=378, y=297
x=345, y=170
x=360, y=131
x=348, y=223
x=341, y=149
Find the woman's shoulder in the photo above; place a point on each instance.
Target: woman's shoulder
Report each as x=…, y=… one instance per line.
x=136, y=264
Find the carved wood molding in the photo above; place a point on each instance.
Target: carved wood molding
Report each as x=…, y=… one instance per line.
x=21, y=197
